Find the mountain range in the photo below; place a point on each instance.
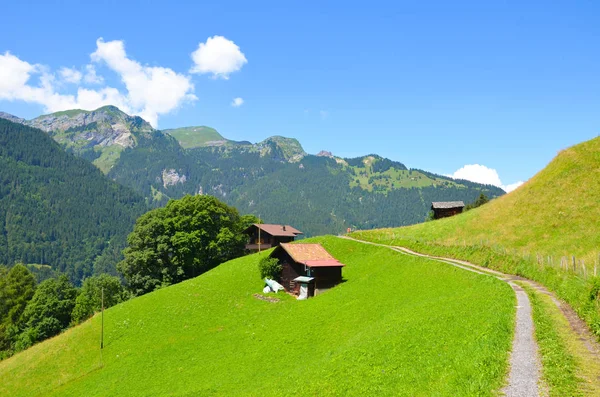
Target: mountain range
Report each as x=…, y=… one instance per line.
x=274, y=179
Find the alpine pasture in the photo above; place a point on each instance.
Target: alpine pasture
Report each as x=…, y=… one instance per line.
x=398, y=325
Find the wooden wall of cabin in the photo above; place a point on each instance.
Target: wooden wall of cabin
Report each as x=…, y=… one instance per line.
x=326, y=277
x=290, y=269
x=446, y=212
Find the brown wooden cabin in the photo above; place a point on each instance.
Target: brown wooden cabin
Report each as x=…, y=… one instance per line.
x=309, y=266
x=269, y=236
x=444, y=209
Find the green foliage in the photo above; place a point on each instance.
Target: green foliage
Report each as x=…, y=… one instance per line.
x=89, y=299
x=182, y=240
x=56, y=209
x=430, y=216
x=481, y=200
x=48, y=312
x=399, y=326
x=17, y=287
x=269, y=268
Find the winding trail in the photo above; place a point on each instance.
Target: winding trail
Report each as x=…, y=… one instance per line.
x=525, y=368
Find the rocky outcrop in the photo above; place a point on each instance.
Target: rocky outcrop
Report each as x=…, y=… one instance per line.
x=172, y=177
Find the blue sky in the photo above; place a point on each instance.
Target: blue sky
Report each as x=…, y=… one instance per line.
x=436, y=85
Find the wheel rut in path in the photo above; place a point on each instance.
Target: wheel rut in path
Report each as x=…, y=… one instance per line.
x=525, y=368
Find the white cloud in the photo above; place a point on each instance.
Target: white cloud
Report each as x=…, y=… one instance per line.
x=218, y=56
x=91, y=77
x=512, y=186
x=482, y=174
x=150, y=91
x=237, y=102
x=324, y=114
x=70, y=75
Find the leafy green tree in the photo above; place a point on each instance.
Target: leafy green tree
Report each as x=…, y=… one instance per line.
x=48, y=312
x=17, y=287
x=481, y=200
x=182, y=240
x=90, y=296
x=269, y=268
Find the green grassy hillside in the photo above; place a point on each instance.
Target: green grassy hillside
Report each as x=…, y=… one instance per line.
x=555, y=213
x=537, y=231
x=192, y=137
x=398, y=326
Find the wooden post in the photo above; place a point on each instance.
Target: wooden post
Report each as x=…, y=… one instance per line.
x=102, y=330
x=574, y=264
x=584, y=269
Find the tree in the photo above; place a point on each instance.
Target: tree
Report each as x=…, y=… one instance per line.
x=90, y=296
x=481, y=200
x=269, y=268
x=17, y=287
x=182, y=240
x=48, y=312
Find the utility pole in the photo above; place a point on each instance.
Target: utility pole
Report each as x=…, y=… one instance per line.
x=102, y=331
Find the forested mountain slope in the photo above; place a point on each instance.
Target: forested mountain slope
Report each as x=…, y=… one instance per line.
x=274, y=179
x=58, y=209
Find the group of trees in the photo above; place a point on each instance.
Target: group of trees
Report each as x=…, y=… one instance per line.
x=58, y=209
x=31, y=312
x=182, y=240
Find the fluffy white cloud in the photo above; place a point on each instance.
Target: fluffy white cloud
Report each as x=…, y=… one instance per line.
x=14, y=74
x=91, y=77
x=218, y=56
x=70, y=75
x=237, y=102
x=482, y=174
x=151, y=91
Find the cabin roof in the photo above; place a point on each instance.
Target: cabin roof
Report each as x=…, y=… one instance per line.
x=447, y=204
x=276, y=230
x=311, y=255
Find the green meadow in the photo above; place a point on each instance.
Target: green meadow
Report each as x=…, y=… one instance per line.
x=547, y=230
x=398, y=326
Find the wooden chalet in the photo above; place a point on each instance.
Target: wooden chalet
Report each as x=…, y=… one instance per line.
x=308, y=269
x=444, y=209
x=264, y=236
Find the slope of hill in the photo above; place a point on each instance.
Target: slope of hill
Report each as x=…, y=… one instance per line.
x=192, y=137
x=58, y=209
x=275, y=178
x=555, y=213
x=546, y=230
x=399, y=325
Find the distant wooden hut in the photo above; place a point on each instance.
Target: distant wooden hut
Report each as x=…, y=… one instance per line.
x=308, y=269
x=444, y=209
x=267, y=235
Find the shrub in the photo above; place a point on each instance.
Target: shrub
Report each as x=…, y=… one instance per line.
x=269, y=268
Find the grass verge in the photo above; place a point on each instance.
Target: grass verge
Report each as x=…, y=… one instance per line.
x=582, y=293
x=552, y=332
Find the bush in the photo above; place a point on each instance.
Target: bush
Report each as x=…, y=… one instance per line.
x=269, y=268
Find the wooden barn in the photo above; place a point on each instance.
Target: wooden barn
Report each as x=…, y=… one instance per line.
x=264, y=236
x=308, y=269
x=444, y=209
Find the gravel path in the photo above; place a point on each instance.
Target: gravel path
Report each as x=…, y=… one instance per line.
x=525, y=367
